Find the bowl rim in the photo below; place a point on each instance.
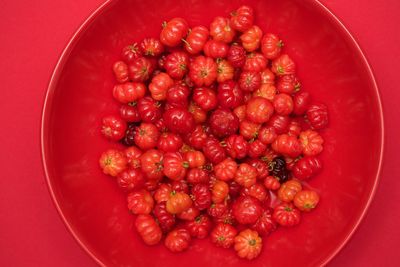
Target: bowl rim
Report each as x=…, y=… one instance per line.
x=48, y=100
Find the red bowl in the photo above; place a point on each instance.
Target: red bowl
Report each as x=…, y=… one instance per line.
x=330, y=65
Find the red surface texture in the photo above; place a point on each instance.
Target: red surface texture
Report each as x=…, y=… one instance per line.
x=33, y=37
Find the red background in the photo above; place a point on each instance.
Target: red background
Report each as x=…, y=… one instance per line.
x=33, y=37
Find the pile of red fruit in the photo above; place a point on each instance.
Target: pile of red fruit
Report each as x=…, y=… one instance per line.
x=219, y=135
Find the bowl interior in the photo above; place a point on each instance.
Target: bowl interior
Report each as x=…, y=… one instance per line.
x=330, y=66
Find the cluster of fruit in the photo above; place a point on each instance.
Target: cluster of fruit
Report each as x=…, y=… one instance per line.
x=219, y=135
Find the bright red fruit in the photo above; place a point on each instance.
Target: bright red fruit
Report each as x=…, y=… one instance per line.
x=196, y=176
x=129, y=92
x=279, y=123
x=151, y=47
x=179, y=120
x=140, y=69
x=196, y=39
x=121, y=71
x=113, y=128
x=288, y=190
x=283, y=65
x=220, y=190
x=199, y=227
x=272, y=183
x=283, y=104
x=225, y=170
x=246, y=175
x=306, y=200
x=205, y=98
x=220, y=30
x=247, y=209
x=148, y=229
x=267, y=134
x=317, y=115
x=287, y=145
x=265, y=224
x=130, y=53
x=130, y=180
x=201, y=196
x=216, y=49
x=229, y=94
x=195, y=159
x=213, y=150
x=173, y=32
x=199, y=115
x=255, y=62
x=113, y=162
x=223, y=122
x=225, y=71
x=197, y=138
x=257, y=191
x=236, y=146
x=307, y=167
x=203, y=71
x=237, y=55
x=260, y=166
x=271, y=46
x=259, y=109
x=223, y=235
x=249, y=81
x=178, y=95
x=165, y=219
x=256, y=149
x=140, y=202
x=133, y=154
x=248, y=129
x=149, y=109
x=169, y=142
x=129, y=113
x=163, y=193
x=189, y=214
x=178, y=202
x=151, y=164
x=177, y=64
x=217, y=210
x=174, y=166
x=146, y=136
x=288, y=84
x=177, y=240
x=311, y=142
x=242, y=18
x=159, y=86
x=286, y=214
x=301, y=101
x=240, y=112
x=251, y=38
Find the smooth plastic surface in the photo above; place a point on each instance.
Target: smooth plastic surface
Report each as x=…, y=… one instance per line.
x=330, y=66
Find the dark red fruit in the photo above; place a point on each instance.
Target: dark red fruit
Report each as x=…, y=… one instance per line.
x=229, y=95
x=179, y=120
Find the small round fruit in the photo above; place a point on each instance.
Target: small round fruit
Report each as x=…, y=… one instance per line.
x=286, y=214
x=283, y=104
x=223, y=122
x=287, y=145
x=288, y=190
x=146, y=136
x=179, y=120
x=140, y=202
x=113, y=128
x=120, y=70
x=229, y=94
x=248, y=244
x=236, y=56
x=226, y=169
x=160, y=85
x=203, y=71
x=246, y=175
x=317, y=115
x=271, y=46
x=246, y=209
x=177, y=240
x=148, y=229
x=220, y=30
x=178, y=202
x=199, y=227
x=306, y=200
x=173, y=32
x=113, y=162
x=312, y=142
x=242, y=18
x=130, y=180
x=129, y=92
x=307, y=167
x=283, y=65
x=223, y=235
x=259, y=110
